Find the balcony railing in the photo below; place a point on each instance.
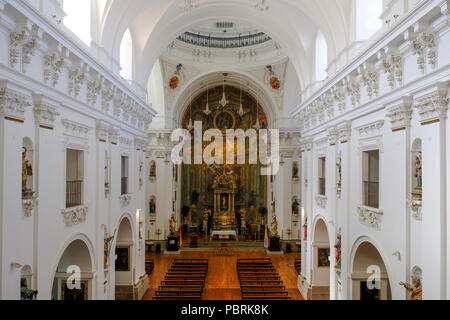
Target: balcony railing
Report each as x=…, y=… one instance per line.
x=371, y=194
x=124, y=188
x=322, y=186
x=73, y=193
x=224, y=43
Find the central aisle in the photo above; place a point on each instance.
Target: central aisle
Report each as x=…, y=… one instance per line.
x=222, y=282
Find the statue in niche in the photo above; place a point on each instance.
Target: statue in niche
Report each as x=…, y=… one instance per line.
x=25, y=292
x=418, y=170
x=107, y=248
x=172, y=224
x=416, y=287
x=295, y=206
x=152, y=205
x=295, y=170
x=153, y=170
x=27, y=171
x=338, y=246
x=339, y=167
x=274, y=226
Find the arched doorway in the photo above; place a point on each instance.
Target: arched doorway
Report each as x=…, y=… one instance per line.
x=74, y=273
x=320, y=267
x=369, y=277
x=124, y=273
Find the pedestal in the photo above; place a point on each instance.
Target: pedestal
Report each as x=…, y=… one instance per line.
x=172, y=243
x=275, y=244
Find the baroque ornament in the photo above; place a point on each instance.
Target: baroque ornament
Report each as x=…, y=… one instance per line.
x=74, y=216
x=370, y=216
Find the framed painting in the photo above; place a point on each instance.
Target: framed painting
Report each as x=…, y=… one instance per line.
x=367, y=294
x=322, y=257
x=75, y=294
x=123, y=258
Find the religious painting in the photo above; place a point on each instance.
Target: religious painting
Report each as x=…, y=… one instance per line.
x=367, y=294
x=224, y=120
x=322, y=257
x=123, y=258
x=75, y=294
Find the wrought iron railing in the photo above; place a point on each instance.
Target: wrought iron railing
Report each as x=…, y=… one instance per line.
x=322, y=186
x=124, y=188
x=371, y=194
x=73, y=193
x=224, y=43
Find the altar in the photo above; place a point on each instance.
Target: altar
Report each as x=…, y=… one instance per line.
x=224, y=219
x=224, y=234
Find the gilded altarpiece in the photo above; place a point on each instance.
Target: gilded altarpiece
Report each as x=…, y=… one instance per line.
x=198, y=189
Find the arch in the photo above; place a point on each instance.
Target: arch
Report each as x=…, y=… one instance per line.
x=196, y=87
x=321, y=258
x=78, y=251
x=369, y=254
x=124, y=254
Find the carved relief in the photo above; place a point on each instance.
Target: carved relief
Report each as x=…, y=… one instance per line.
x=74, y=216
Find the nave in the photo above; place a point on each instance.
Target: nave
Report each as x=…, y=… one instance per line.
x=222, y=280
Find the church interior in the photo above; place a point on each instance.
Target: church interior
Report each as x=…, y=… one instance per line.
x=224, y=150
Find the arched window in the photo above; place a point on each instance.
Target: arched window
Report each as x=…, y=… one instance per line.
x=126, y=56
x=321, y=57
x=78, y=18
x=368, y=20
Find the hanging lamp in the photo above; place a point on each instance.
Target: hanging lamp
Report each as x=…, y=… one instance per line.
x=241, y=108
x=224, y=101
x=207, y=111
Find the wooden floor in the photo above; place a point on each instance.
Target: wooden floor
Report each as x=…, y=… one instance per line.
x=222, y=282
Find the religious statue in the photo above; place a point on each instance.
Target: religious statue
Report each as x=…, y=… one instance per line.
x=295, y=170
x=223, y=205
x=418, y=170
x=274, y=226
x=305, y=229
x=27, y=170
x=243, y=213
x=206, y=214
x=295, y=206
x=415, y=288
x=173, y=224
x=25, y=292
x=107, y=248
x=337, y=246
x=152, y=205
x=273, y=206
x=339, y=167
